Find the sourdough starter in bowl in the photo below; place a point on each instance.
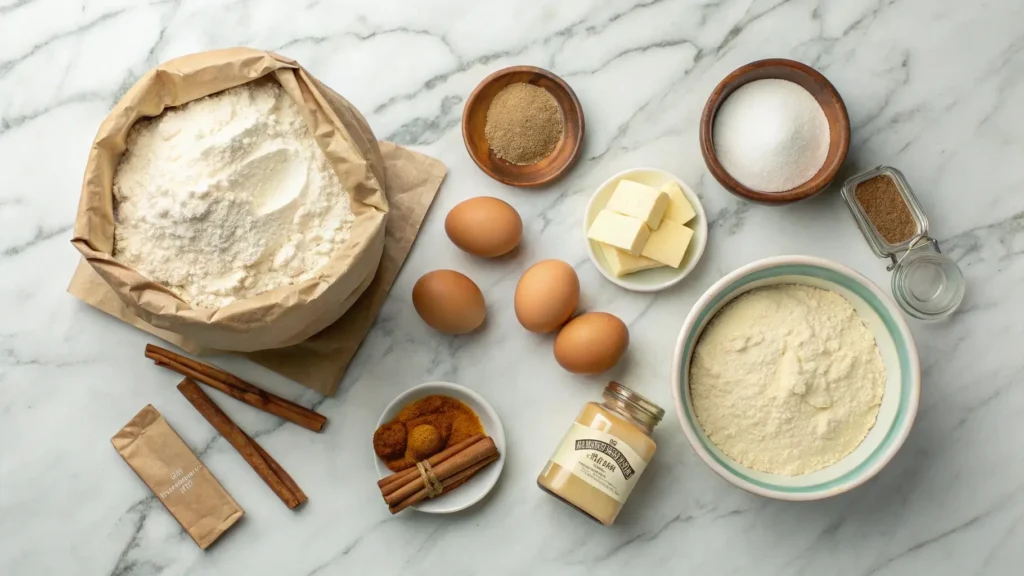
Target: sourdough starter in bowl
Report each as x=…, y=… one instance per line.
x=787, y=379
x=227, y=197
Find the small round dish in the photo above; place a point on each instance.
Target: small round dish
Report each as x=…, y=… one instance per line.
x=544, y=171
x=823, y=91
x=655, y=279
x=481, y=483
x=900, y=398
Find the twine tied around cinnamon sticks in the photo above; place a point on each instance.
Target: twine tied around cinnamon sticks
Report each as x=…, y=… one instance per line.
x=430, y=480
x=450, y=468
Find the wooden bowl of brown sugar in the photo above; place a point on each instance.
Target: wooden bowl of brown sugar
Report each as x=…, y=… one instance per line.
x=523, y=126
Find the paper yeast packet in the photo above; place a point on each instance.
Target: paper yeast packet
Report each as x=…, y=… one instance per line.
x=176, y=476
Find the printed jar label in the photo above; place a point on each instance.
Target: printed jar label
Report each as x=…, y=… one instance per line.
x=601, y=460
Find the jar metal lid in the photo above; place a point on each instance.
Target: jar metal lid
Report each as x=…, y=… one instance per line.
x=654, y=412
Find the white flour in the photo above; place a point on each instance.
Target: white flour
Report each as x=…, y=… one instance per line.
x=771, y=135
x=787, y=379
x=228, y=196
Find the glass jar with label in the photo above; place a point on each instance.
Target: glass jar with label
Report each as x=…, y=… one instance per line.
x=605, y=451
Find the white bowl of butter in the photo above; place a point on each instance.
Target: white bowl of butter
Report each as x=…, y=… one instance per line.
x=657, y=244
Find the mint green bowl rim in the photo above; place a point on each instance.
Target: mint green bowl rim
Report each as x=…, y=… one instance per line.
x=910, y=385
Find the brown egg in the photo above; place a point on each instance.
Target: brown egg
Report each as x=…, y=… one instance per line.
x=449, y=302
x=591, y=343
x=484, y=226
x=546, y=296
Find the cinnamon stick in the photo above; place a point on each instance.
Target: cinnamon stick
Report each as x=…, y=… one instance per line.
x=448, y=484
x=281, y=473
x=464, y=459
x=268, y=469
x=237, y=388
x=389, y=484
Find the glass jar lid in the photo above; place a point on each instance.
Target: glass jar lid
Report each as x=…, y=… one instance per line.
x=926, y=283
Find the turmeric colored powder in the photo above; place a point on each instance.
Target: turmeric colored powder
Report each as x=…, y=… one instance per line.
x=424, y=442
x=453, y=421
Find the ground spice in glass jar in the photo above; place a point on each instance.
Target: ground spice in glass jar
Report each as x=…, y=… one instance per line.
x=886, y=209
x=524, y=124
x=607, y=448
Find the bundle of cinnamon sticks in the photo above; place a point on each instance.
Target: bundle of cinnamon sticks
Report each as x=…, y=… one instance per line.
x=452, y=467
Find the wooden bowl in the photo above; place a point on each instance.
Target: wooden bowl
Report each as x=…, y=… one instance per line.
x=544, y=171
x=823, y=91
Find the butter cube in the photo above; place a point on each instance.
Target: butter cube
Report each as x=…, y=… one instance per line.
x=639, y=201
x=624, y=232
x=622, y=263
x=668, y=244
x=679, y=209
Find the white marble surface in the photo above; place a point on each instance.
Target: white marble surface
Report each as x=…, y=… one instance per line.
x=933, y=87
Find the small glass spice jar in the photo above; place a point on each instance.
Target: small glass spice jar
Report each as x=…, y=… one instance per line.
x=605, y=451
x=926, y=283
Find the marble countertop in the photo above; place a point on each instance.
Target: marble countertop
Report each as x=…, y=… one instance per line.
x=933, y=87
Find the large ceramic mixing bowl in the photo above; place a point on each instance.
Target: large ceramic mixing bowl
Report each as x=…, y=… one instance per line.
x=895, y=343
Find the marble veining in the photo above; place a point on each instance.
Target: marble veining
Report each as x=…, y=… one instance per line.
x=933, y=88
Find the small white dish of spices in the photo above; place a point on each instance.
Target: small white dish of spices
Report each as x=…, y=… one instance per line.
x=449, y=427
x=645, y=229
x=926, y=283
x=523, y=126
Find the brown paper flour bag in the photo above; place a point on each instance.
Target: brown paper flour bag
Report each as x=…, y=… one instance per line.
x=279, y=317
x=412, y=181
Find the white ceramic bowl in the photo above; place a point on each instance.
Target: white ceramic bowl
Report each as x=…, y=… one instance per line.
x=895, y=343
x=483, y=481
x=657, y=278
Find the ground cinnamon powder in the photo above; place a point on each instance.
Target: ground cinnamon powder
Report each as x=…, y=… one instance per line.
x=885, y=207
x=524, y=124
x=408, y=438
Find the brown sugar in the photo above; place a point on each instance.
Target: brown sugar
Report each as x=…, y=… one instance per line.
x=886, y=209
x=389, y=440
x=428, y=426
x=524, y=124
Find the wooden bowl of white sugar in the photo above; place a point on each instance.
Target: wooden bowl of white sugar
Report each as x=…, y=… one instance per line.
x=808, y=426
x=774, y=131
